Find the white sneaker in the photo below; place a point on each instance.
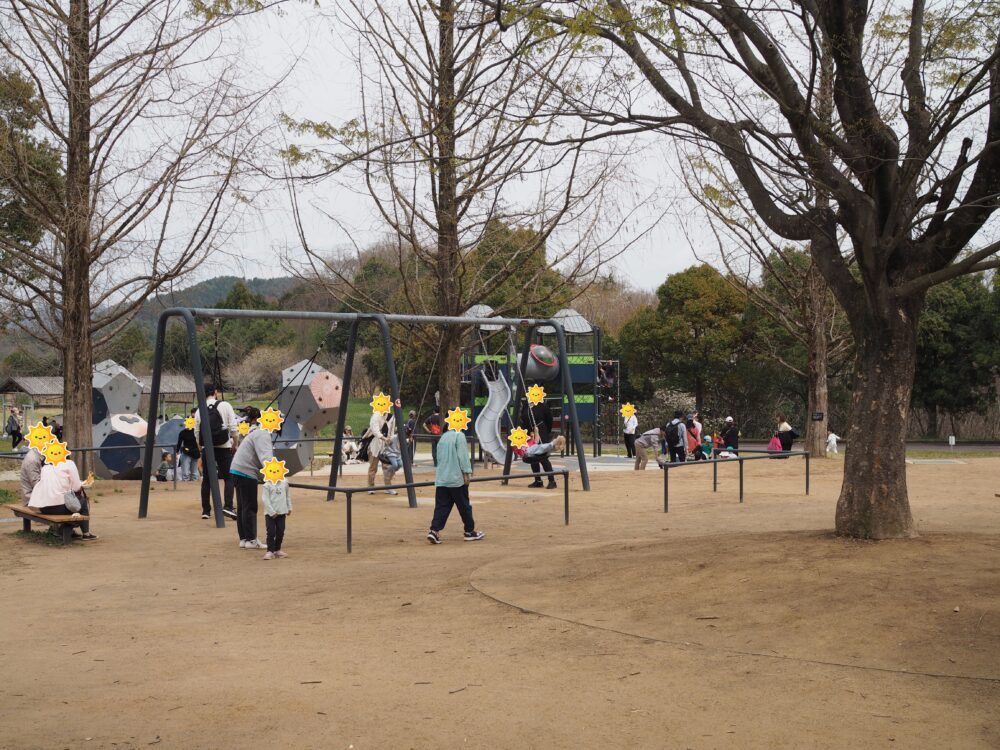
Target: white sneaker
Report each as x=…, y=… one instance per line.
x=391, y=492
x=243, y=544
x=256, y=544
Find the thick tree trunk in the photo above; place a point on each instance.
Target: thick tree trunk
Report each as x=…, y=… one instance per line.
x=873, y=501
x=76, y=335
x=817, y=398
x=449, y=291
x=449, y=376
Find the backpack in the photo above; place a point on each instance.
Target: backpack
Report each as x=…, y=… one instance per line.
x=673, y=434
x=12, y=425
x=220, y=435
x=363, y=454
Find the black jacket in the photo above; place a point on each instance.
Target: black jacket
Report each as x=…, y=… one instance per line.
x=187, y=444
x=731, y=437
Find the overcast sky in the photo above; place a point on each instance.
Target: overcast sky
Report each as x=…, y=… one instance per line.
x=324, y=86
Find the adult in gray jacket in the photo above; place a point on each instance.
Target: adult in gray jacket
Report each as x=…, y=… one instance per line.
x=256, y=450
x=31, y=472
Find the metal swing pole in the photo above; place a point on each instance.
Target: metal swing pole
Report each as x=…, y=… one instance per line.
x=397, y=406
x=345, y=398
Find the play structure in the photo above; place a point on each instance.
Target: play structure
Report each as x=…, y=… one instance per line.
x=118, y=431
x=327, y=387
x=495, y=351
x=310, y=400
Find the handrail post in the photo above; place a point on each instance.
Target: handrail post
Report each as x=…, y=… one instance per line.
x=807, y=473
x=565, y=497
x=741, y=479
x=715, y=477
x=349, y=495
x=666, y=487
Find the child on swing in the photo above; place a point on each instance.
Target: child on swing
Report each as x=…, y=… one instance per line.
x=536, y=453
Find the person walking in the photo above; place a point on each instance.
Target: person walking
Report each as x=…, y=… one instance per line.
x=411, y=427
x=831, y=441
x=186, y=450
x=676, y=435
x=786, y=434
x=14, y=428
x=256, y=450
x=647, y=441
x=451, y=487
x=222, y=424
x=628, y=431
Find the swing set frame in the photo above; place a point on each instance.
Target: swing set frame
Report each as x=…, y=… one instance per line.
x=189, y=315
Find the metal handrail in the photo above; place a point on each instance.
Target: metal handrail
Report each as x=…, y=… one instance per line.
x=715, y=470
x=351, y=491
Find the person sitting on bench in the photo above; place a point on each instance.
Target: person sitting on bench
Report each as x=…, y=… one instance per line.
x=49, y=495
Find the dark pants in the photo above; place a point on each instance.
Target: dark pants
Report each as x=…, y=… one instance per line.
x=15, y=439
x=434, y=449
x=678, y=454
x=275, y=531
x=630, y=445
x=246, y=507
x=223, y=459
x=539, y=464
x=62, y=510
x=444, y=499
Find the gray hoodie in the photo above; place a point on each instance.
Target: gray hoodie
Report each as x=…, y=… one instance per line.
x=255, y=451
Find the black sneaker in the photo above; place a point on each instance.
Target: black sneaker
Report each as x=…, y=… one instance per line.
x=474, y=536
x=433, y=538
x=229, y=513
x=204, y=516
x=537, y=484
x=552, y=485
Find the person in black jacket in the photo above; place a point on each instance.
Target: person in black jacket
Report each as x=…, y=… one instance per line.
x=731, y=436
x=538, y=416
x=186, y=451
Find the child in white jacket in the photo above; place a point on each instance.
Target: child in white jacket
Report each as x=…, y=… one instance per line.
x=277, y=505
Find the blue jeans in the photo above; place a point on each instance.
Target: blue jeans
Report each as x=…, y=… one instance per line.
x=187, y=467
x=444, y=499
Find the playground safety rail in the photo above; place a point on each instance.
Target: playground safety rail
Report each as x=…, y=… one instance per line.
x=351, y=491
x=667, y=467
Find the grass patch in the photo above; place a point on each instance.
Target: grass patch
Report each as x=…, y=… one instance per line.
x=39, y=537
x=7, y=497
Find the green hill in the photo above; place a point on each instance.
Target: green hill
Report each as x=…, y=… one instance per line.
x=208, y=293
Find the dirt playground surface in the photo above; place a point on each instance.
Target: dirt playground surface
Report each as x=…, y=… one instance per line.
x=718, y=625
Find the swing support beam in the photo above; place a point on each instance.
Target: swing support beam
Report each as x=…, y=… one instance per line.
x=188, y=316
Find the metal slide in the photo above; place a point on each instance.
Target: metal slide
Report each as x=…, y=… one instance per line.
x=488, y=421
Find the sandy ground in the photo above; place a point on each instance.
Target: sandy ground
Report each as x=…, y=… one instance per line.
x=718, y=625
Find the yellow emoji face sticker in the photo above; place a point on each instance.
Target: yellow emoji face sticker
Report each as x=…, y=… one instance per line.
x=518, y=437
x=536, y=394
x=381, y=404
x=628, y=410
x=39, y=436
x=274, y=471
x=190, y=423
x=457, y=419
x=55, y=453
x=270, y=420
x=243, y=429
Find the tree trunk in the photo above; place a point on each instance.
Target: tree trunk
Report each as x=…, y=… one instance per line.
x=448, y=374
x=76, y=335
x=449, y=291
x=873, y=501
x=817, y=399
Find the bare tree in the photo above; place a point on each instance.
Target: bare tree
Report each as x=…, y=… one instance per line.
x=142, y=104
x=907, y=167
x=783, y=282
x=483, y=191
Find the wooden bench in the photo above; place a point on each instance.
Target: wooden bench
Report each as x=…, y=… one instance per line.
x=63, y=525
